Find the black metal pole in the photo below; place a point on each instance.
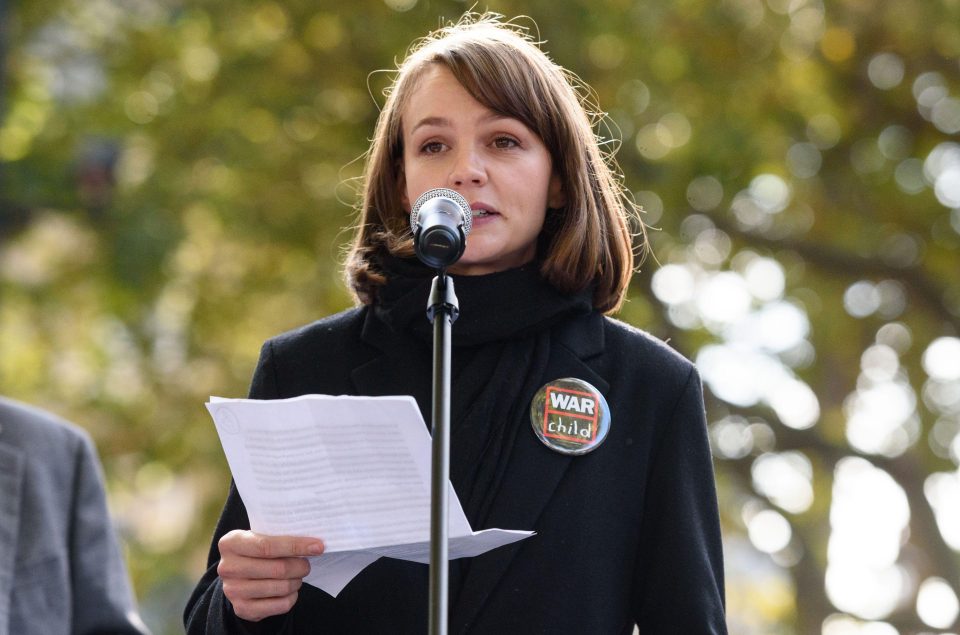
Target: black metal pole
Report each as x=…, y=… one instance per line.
x=442, y=310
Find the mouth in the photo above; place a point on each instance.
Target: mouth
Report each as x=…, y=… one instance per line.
x=482, y=211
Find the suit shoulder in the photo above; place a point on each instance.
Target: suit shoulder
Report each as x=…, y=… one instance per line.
x=635, y=344
x=31, y=428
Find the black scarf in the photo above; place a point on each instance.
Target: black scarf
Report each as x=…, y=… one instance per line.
x=501, y=346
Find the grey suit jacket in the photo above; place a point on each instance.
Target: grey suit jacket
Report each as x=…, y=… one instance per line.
x=61, y=570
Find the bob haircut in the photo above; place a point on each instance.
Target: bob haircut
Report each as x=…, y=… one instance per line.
x=587, y=243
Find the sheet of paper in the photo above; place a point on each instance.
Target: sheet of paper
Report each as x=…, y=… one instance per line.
x=354, y=471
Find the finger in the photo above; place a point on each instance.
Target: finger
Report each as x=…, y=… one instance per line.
x=256, y=610
x=242, y=567
x=239, y=590
x=254, y=545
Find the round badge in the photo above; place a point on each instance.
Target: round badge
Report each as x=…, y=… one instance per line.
x=570, y=416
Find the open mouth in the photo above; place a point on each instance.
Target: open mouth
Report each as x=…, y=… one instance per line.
x=482, y=212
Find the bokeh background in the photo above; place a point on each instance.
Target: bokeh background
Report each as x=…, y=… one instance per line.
x=176, y=185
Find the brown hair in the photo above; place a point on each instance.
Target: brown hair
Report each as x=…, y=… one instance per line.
x=587, y=242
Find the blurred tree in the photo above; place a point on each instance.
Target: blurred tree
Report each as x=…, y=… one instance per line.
x=184, y=173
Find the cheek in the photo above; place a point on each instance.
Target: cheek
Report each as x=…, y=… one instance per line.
x=414, y=181
x=541, y=220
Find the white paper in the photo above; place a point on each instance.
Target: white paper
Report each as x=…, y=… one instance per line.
x=352, y=471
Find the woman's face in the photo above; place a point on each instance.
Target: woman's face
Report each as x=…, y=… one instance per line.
x=498, y=164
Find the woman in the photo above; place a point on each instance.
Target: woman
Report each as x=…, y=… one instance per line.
x=626, y=530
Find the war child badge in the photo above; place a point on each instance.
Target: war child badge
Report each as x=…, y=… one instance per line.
x=570, y=416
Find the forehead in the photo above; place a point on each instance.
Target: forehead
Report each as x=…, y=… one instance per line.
x=495, y=86
x=437, y=97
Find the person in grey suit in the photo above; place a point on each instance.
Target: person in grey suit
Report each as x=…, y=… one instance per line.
x=61, y=570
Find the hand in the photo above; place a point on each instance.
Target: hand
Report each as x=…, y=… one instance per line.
x=262, y=575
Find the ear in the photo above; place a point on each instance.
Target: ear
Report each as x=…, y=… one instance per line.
x=556, y=196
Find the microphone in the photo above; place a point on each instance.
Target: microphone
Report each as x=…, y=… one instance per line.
x=440, y=220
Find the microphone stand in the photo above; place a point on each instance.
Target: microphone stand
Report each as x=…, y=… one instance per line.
x=442, y=311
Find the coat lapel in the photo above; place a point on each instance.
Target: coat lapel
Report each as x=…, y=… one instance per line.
x=532, y=475
x=11, y=486
x=404, y=366
x=404, y=371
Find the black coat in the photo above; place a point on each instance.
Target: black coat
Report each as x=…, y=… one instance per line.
x=628, y=533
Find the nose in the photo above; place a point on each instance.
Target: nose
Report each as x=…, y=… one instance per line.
x=467, y=169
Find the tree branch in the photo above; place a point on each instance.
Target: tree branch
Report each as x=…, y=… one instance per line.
x=916, y=281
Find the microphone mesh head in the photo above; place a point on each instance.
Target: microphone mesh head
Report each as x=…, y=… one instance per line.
x=442, y=192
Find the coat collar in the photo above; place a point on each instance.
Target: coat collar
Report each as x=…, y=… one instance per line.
x=12, y=465
x=533, y=466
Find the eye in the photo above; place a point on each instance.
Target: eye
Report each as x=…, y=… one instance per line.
x=505, y=142
x=431, y=147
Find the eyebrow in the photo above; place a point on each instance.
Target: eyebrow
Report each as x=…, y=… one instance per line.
x=445, y=122
x=430, y=121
